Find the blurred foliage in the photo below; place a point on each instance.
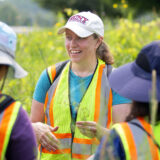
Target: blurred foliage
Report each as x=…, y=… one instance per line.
x=8, y=14
x=41, y=48
x=142, y=6
x=114, y=8
x=24, y=13
x=101, y=7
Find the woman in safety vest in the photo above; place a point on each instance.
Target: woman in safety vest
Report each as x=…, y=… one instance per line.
x=139, y=137
x=17, y=139
x=76, y=91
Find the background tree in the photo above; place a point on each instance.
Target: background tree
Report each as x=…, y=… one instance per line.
x=114, y=8
x=8, y=14
x=143, y=6
x=25, y=13
x=101, y=7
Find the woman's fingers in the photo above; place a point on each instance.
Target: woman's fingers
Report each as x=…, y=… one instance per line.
x=48, y=146
x=53, y=129
x=91, y=129
x=46, y=137
x=49, y=143
x=87, y=130
x=53, y=140
x=88, y=125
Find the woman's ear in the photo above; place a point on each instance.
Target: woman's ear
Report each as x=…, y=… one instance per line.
x=99, y=41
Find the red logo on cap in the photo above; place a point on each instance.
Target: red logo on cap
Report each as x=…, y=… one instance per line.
x=78, y=18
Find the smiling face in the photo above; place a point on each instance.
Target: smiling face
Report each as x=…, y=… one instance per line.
x=81, y=50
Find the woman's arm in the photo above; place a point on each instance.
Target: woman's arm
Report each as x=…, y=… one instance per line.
x=37, y=111
x=42, y=131
x=120, y=112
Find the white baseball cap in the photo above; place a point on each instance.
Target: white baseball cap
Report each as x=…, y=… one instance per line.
x=8, y=40
x=84, y=24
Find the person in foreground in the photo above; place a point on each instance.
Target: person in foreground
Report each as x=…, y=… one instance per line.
x=79, y=99
x=139, y=137
x=17, y=139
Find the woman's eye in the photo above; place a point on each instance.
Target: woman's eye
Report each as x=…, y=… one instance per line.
x=79, y=38
x=68, y=37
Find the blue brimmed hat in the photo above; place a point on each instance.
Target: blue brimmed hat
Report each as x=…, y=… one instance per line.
x=7, y=50
x=134, y=80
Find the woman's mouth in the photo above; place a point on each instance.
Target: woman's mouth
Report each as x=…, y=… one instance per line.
x=75, y=52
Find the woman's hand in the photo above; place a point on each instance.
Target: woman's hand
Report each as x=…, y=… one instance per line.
x=45, y=137
x=92, y=129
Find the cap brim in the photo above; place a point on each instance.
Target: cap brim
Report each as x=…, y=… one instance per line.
x=77, y=29
x=19, y=72
x=125, y=82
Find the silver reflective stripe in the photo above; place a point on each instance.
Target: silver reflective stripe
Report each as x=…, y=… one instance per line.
x=1, y=116
x=141, y=141
x=51, y=92
x=104, y=98
x=65, y=143
x=85, y=149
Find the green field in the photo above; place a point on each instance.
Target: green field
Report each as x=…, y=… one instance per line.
x=39, y=49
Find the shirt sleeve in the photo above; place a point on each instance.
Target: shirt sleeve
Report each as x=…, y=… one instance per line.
x=22, y=144
x=117, y=99
x=113, y=148
x=41, y=88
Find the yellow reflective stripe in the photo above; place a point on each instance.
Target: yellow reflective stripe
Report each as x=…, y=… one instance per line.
x=9, y=118
x=51, y=72
x=121, y=132
x=60, y=103
x=156, y=135
x=59, y=156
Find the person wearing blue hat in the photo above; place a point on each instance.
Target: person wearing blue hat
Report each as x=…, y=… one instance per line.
x=139, y=137
x=17, y=139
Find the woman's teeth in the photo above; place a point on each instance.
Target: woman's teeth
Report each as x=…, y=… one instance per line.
x=75, y=52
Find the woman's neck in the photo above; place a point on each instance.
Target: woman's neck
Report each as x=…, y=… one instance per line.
x=83, y=70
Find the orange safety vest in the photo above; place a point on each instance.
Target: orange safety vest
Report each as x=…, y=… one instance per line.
x=8, y=114
x=95, y=107
x=136, y=142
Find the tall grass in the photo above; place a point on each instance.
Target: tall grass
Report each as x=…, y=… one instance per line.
x=39, y=49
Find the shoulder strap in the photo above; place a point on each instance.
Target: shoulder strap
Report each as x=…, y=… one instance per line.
x=59, y=68
x=109, y=69
x=139, y=126
x=5, y=101
x=56, y=70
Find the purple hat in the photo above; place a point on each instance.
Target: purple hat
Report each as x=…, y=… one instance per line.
x=134, y=80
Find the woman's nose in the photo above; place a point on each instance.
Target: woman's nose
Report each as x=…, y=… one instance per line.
x=73, y=43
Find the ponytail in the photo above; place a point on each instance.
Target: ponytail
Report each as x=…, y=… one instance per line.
x=103, y=52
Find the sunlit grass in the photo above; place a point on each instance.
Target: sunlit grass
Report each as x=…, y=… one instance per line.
x=39, y=49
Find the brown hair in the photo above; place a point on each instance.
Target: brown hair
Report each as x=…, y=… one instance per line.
x=142, y=109
x=103, y=52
